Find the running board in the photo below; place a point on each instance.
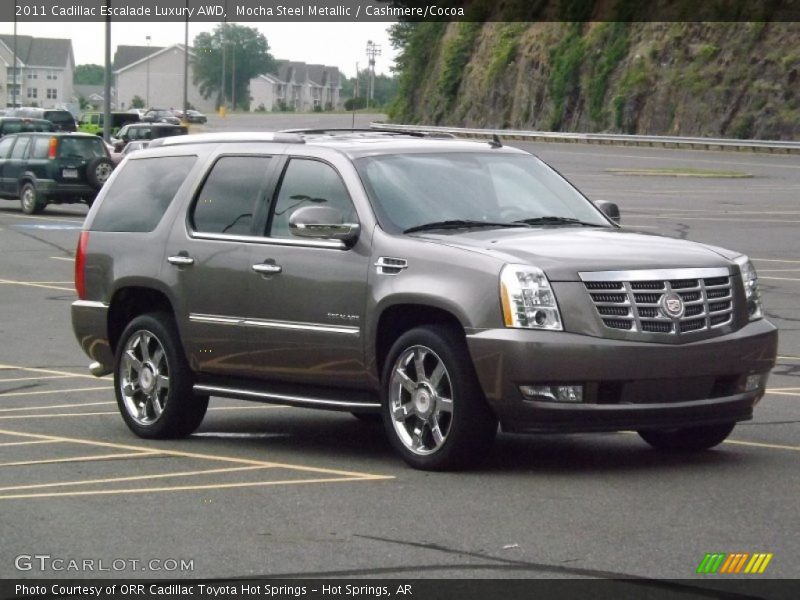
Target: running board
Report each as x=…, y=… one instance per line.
x=261, y=394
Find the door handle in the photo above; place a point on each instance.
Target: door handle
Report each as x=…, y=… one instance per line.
x=180, y=260
x=267, y=268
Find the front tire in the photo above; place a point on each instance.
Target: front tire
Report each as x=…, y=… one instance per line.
x=688, y=439
x=434, y=411
x=29, y=199
x=153, y=382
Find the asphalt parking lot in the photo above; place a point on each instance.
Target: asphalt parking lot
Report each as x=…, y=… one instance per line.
x=274, y=491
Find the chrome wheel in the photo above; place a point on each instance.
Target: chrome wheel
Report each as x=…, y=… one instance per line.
x=28, y=199
x=144, y=378
x=421, y=400
x=103, y=172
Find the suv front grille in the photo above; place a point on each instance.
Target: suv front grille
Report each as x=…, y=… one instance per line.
x=637, y=301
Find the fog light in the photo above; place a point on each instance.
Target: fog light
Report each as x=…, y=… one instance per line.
x=754, y=382
x=553, y=393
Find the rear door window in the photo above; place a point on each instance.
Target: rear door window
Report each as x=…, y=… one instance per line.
x=141, y=193
x=20, y=147
x=5, y=146
x=230, y=194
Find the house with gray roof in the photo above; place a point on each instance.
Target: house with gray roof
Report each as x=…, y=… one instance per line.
x=298, y=86
x=44, y=71
x=155, y=74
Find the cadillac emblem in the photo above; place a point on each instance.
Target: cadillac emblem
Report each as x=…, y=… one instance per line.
x=672, y=306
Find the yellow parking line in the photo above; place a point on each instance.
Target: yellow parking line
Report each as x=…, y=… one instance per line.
x=245, y=461
x=26, y=408
x=132, y=478
x=789, y=357
x=51, y=372
x=785, y=393
x=778, y=270
x=781, y=278
x=762, y=445
x=41, y=392
x=39, y=285
x=35, y=378
x=778, y=260
x=791, y=389
x=89, y=458
x=183, y=488
x=70, y=259
x=28, y=443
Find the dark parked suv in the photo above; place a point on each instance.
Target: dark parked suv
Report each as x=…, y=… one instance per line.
x=61, y=119
x=446, y=285
x=52, y=168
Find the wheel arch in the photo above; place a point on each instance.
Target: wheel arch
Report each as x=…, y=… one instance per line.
x=130, y=301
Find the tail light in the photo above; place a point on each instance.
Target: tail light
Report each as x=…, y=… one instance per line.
x=52, y=148
x=80, y=265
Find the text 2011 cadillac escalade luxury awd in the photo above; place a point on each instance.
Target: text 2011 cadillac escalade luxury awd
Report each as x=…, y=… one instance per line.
x=446, y=285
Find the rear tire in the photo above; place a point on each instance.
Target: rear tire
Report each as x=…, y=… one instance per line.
x=688, y=439
x=153, y=381
x=434, y=411
x=30, y=201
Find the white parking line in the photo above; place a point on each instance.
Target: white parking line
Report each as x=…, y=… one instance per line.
x=70, y=259
x=42, y=392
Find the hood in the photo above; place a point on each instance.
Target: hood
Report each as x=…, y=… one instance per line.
x=564, y=252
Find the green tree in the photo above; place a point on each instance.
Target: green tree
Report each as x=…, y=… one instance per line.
x=137, y=102
x=385, y=88
x=88, y=75
x=246, y=55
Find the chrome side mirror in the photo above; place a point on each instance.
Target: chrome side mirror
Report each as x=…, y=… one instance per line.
x=609, y=209
x=322, y=222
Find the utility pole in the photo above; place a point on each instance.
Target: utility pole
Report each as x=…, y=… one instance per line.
x=147, y=92
x=186, y=63
x=373, y=50
x=14, y=80
x=233, y=77
x=107, y=81
x=355, y=92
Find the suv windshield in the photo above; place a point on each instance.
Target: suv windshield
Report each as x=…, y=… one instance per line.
x=80, y=147
x=413, y=190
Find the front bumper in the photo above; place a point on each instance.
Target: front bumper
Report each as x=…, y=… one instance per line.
x=627, y=385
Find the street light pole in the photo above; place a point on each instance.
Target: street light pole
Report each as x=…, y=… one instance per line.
x=14, y=66
x=107, y=81
x=147, y=92
x=373, y=50
x=186, y=63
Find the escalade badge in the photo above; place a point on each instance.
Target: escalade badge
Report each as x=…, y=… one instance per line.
x=672, y=305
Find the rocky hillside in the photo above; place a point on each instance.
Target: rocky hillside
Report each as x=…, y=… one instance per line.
x=737, y=80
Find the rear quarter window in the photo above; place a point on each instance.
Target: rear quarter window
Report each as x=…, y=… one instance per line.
x=141, y=193
x=41, y=147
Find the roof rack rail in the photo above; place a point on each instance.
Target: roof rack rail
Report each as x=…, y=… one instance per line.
x=281, y=137
x=345, y=130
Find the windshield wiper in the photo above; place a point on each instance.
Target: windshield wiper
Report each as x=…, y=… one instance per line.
x=460, y=224
x=552, y=220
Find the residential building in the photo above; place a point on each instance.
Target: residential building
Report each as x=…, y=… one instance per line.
x=93, y=95
x=44, y=71
x=297, y=86
x=155, y=74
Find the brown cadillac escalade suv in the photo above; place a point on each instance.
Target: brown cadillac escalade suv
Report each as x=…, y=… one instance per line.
x=441, y=285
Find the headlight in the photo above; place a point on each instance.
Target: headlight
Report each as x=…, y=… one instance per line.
x=751, y=293
x=528, y=300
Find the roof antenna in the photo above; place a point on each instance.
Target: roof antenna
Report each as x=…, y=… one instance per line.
x=495, y=141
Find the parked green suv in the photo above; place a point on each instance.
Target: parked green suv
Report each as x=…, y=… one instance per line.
x=443, y=286
x=92, y=122
x=52, y=168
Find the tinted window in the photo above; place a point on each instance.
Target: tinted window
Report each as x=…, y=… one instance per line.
x=5, y=146
x=141, y=193
x=59, y=117
x=309, y=183
x=75, y=147
x=12, y=127
x=20, y=147
x=41, y=146
x=227, y=201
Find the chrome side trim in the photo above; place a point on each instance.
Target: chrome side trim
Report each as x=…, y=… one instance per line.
x=663, y=274
x=90, y=304
x=268, y=241
x=270, y=324
x=281, y=398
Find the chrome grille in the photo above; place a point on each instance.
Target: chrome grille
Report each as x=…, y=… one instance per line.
x=632, y=301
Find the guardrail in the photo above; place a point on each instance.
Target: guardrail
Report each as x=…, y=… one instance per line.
x=697, y=143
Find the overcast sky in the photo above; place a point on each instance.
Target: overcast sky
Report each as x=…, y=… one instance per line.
x=337, y=44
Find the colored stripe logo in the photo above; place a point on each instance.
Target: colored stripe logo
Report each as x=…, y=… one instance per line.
x=734, y=563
